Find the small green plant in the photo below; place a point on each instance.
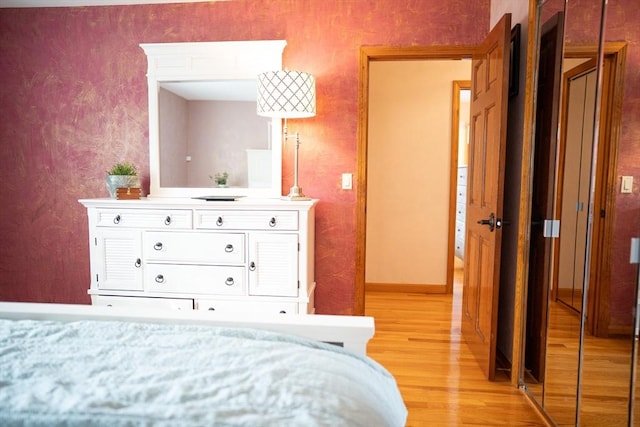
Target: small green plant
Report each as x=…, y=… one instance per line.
x=220, y=178
x=123, y=168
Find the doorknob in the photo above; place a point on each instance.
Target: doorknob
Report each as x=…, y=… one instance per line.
x=491, y=222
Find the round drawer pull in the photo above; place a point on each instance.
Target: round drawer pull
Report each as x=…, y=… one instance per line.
x=117, y=219
x=219, y=221
x=211, y=309
x=252, y=266
x=228, y=248
x=160, y=278
x=283, y=311
x=272, y=221
x=229, y=281
x=167, y=220
x=158, y=246
x=138, y=263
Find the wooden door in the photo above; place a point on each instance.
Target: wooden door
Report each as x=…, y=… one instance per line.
x=542, y=192
x=489, y=97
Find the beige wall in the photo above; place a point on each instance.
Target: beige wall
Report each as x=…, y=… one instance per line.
x=409, y=165
x=214, y=134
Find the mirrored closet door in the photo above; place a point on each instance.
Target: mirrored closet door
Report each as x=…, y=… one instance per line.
x=582, y=284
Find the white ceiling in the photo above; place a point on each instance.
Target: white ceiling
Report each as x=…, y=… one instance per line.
x=72, y=3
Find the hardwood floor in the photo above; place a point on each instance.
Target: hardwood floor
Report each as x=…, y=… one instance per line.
x=605, y=374
x=418, y=339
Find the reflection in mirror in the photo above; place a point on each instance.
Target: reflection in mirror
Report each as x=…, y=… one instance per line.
x=608, y=310
x=634, y=407
x=549, y=41
x=573, y=197
x=574, y=173
x=203, y=120
x=210, y=128
x=587, y=370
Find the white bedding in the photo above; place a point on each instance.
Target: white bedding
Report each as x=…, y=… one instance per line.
x=97, y=373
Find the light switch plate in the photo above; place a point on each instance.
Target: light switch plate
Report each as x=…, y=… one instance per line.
x=627, y=184
x=347, y=181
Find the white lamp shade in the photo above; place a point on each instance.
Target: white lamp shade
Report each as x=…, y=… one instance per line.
x=286, y=94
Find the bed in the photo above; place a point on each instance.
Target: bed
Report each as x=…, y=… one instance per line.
x=85, y=365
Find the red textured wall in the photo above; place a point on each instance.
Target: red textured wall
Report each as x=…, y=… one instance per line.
x=73, y=100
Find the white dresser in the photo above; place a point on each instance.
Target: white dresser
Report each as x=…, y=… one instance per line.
x=250, y=255
x=461, y=211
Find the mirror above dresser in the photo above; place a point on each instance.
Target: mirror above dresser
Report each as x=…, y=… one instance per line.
x=203, y=121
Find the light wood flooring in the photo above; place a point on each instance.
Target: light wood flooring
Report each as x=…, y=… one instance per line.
x=605, y=375
x=418, y=339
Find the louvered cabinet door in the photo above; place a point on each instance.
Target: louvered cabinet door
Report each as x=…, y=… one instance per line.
x=118, y=260
x=273, y=264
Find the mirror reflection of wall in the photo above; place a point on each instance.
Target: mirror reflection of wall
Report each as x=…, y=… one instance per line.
x=202, y=138
x=212, y=71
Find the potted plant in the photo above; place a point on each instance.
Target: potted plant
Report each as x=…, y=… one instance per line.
x=122, y=175
x=220, y=179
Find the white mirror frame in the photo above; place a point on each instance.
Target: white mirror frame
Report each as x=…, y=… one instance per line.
x=200, y=61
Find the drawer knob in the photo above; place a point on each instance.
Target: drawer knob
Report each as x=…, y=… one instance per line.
x=167, y=220
x=229, y=281
x=228, y=248
x=211, y=309
x=158, y=246
x=219, y=221
x=138, y=263
x=160, y=278
x=117, y=219
x=272, y=221
x=252, y=266
x=283, y=312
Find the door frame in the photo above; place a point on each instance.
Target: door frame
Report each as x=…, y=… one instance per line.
x=369, y=54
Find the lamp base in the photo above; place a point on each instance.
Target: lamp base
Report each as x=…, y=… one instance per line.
x=295, y=193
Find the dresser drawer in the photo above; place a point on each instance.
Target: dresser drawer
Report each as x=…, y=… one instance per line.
x=246, y=306
x=246, y=220
x=194, y=248
x=145, y=218
x=142, y=302
x=195, y=279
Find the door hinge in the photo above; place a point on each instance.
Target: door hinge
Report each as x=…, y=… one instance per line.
x=634, y=257
x=95, y=241
x=298, y=284
x=298, y=247
x=551, y=228
x=97, y=278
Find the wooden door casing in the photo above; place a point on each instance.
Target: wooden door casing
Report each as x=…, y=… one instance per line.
x=487, y=147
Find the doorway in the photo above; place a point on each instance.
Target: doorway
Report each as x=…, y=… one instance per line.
x=460, y=117
x=409, y=185
x=368, y=55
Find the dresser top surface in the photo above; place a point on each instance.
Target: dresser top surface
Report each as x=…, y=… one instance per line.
x=189, y=203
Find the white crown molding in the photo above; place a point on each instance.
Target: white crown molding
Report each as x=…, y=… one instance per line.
x=76, y=3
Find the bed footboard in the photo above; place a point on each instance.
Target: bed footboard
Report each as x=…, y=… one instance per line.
x=352, y=332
